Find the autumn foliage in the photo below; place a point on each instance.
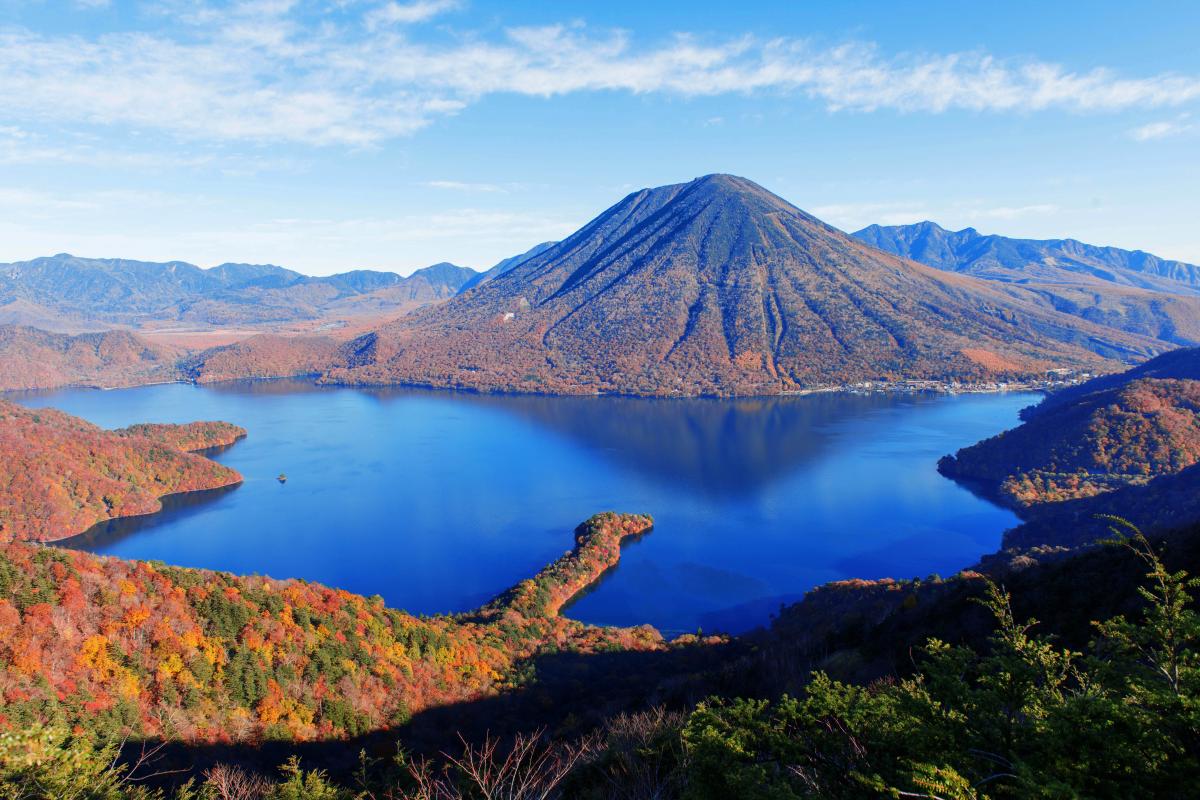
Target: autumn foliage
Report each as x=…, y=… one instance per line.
x=1119, y=435
x=115, y=647
x=35, y=359
x=189, y=437
x=60, y=475
x=262, y=356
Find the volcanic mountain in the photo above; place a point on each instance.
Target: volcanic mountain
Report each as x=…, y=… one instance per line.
x=717, y=286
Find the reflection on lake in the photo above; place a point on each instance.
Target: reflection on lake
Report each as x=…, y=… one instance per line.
x=439, y=500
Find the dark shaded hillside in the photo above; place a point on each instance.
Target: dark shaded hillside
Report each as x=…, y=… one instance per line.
x=719, y=287
x=1098, y=436
x=60, y=475
x=1164, y=503
x=865, y=630
x=34, y=359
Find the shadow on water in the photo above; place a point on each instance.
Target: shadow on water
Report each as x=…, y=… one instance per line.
x=104, y=534
x=627, y=545
x=267, y=387
x=722, y=447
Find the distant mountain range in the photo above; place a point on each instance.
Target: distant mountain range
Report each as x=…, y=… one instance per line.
x=718, y=286
x=1126, y=289
x=1030, y=260
x=68, y=292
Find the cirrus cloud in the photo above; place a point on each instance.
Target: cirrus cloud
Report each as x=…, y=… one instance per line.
x=257, y=71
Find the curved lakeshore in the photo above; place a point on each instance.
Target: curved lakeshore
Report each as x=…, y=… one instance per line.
x=407, y=486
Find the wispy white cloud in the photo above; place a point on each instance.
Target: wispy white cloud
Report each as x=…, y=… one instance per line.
x=255, y=71
x=1163, y=129
x=21, y=147
x=33, y=202
x=461, y=186
x=408, y=13
x=1012, y=212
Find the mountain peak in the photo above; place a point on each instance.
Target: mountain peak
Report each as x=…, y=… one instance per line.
x=720, y=183
x=725, y=180
x=718, y=286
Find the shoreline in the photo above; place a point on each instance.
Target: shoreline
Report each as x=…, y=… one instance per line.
x=905, y=386
x=56, y=541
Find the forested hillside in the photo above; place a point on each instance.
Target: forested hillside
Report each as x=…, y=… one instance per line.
x=121, y=648
x=1112, y=432
x=34, y=359
x=262, y=356
x=60, y=475
x=934, y=688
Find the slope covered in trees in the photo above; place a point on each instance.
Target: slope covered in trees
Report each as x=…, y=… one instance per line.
x=34, y=359
x=262, y=356
x=189, y=437
x=116, y=647
x=1112, y=432
x=1163, y=503
x=718, y=286
x=950, y=689
x=506, y=265
x=60, y=475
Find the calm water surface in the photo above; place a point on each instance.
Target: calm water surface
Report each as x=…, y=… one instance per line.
x=438, y=501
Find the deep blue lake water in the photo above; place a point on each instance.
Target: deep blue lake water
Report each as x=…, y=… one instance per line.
x=438, y=501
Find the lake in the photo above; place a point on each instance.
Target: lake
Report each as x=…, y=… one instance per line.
x=439, y=500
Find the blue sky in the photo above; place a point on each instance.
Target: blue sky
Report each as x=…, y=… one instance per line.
x=328, y=135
